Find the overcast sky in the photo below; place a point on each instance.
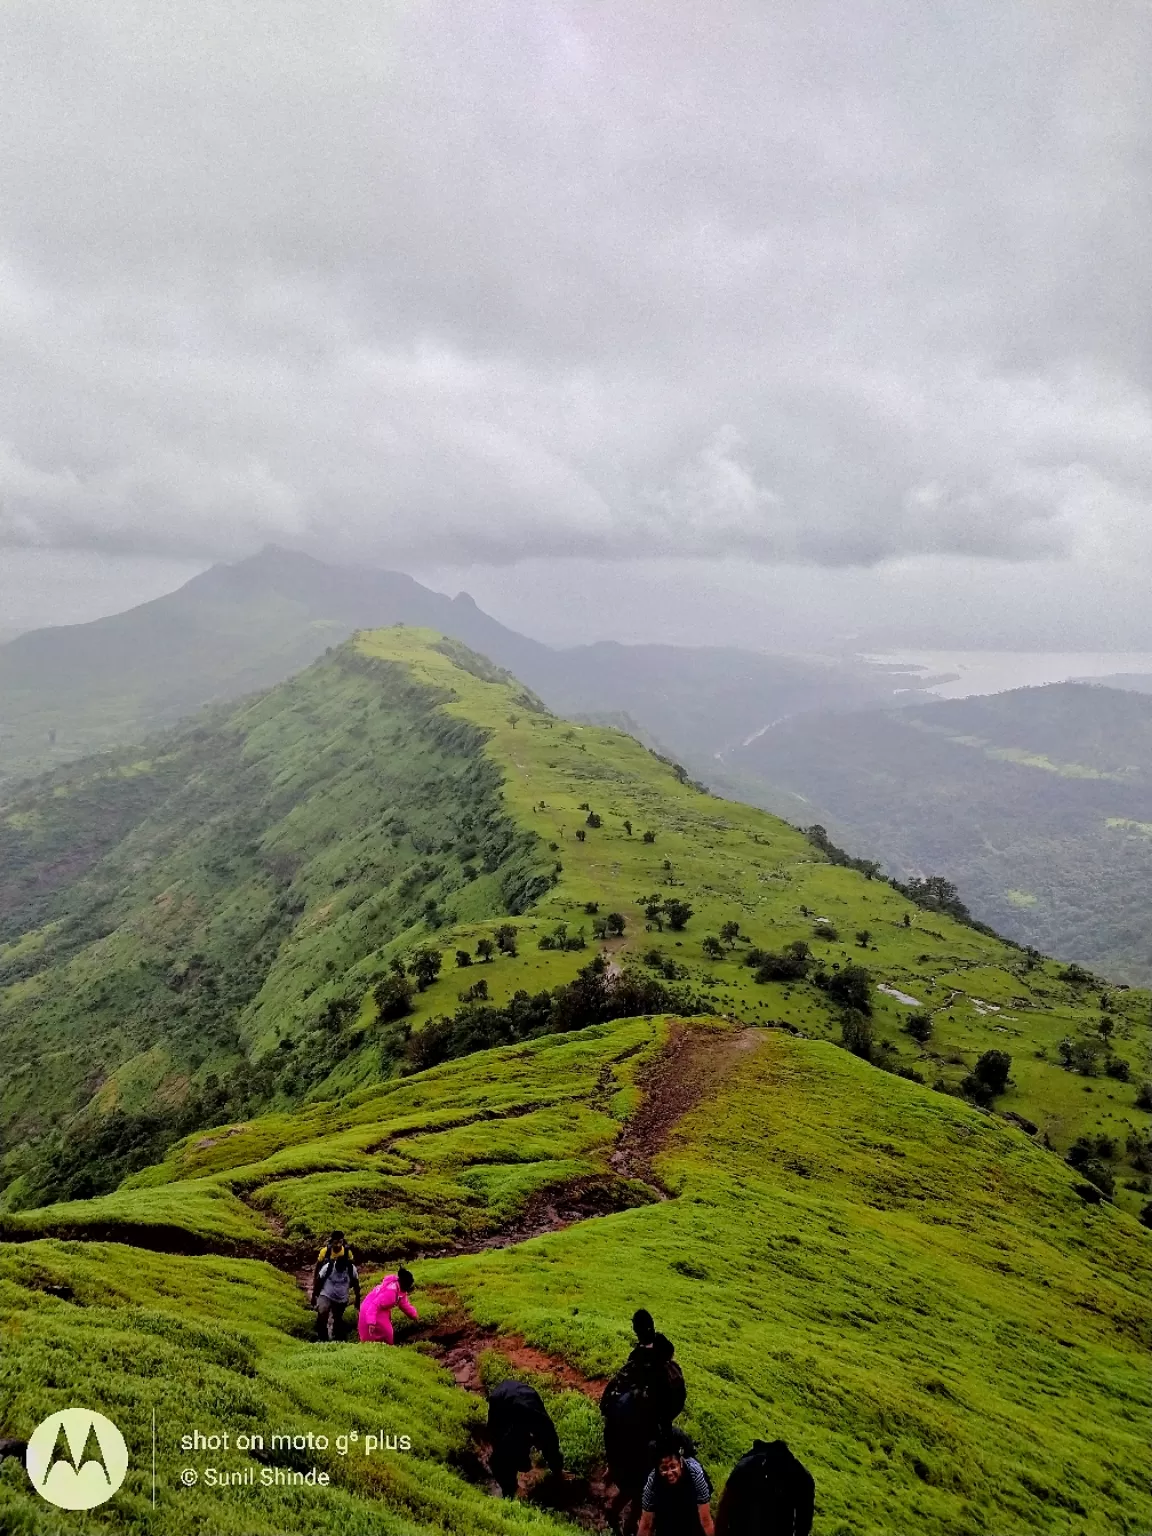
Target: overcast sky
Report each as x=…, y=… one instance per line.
x=703, y=321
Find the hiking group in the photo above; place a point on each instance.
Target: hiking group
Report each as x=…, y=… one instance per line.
x=661, y=1489
x=335, y=1280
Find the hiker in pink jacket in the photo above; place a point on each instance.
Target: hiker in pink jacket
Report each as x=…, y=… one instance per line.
x=376, y=1308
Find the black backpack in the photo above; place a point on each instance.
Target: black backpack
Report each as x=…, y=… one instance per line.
x=769, y=1493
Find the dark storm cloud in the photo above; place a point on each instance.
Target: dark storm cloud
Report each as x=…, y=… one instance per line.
x=480, y=283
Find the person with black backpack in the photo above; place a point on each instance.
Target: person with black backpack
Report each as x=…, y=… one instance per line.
x=770, y=1493
x=638, y=1407
x=518, y=1422
x=677, y=1495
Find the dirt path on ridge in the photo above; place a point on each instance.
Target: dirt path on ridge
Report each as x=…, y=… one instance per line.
x=687, y=1072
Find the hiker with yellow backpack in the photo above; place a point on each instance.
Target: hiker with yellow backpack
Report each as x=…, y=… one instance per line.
x=334, y=1280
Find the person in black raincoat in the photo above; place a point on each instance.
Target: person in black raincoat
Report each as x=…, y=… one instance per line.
x=518, y=1422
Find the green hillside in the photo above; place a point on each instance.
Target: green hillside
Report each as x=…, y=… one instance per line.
x=198, y=932
x=200, y=939
x=910, y=1292
x=1037, y=803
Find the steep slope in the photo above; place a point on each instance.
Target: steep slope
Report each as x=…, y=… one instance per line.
x=910, y=1292
x=1037, y=803
x=82, y=688
x=235, y=947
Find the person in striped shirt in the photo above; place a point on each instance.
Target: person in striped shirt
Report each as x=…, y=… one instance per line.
x=676, y=1499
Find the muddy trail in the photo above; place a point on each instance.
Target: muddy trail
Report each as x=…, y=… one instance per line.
x=689, y=1070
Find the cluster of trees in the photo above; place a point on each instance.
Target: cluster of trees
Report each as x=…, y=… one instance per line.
x=988, y=1078
x=818, y=837
x=560, y=938
x=659, y=910
x=1089, y=1056
x=596, y=996
x=730, y=936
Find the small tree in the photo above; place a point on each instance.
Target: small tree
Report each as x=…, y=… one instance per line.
x=393, y=997
x=614, y=924
x=506, y=939
x=730, y=932
x=1144, y=1096
x=864, y=937
x=425, y=967
x=476, y=993
x=907, y=920
x=580, y=834
x=856, y=1033
x=1146, y=1215
x=593, y=820
x=485, y=949
x=512, y=719
x=628, y=826
x=712, y=947
x=851, y=988
x=919, y=1026
x=1106, y=1026
x=649, y=837
x=992, y=1069
x=654, y=911
x=463, y=958
x=677, y=912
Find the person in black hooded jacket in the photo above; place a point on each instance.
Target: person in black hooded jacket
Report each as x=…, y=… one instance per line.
x=517, y=1422
x=638, y=1407
x=770, y=1493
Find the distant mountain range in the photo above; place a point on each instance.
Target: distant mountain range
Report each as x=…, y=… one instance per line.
x=1037, y=803
x=69, y=691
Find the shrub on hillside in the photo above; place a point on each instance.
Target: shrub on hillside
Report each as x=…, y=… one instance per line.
x=791, y=964
x=393, y=997
x=850, y=987
x=463, y=958
x=1146, y=1215
x=506, y=939
x=649, y=837
x=992, y=1069
x=730, y=932
x=919, y=1026
x=485, y=949
x=856, y=1033
x=425, y=967
x=1099, y=1174
x=1118, y=1068
x=712, y=947
x=1144, y=1096
x=677, y=913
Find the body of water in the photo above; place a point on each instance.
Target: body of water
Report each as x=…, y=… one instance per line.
x=973, y=672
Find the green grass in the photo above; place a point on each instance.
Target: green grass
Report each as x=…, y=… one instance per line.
x=909, y=1292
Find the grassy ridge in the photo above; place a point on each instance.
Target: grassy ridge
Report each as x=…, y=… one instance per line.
x=908, y=1291
x=403, y=792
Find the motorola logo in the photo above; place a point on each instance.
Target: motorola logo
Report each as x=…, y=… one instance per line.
x=76, y=1459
